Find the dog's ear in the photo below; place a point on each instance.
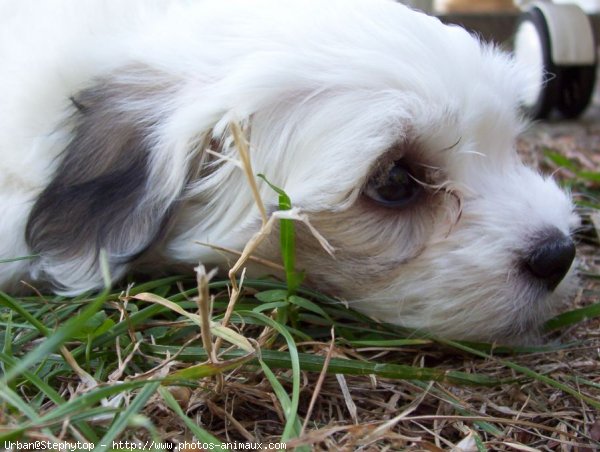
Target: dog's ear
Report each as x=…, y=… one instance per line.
x=104, y=194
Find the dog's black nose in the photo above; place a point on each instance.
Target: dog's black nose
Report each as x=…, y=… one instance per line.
x=551, y=257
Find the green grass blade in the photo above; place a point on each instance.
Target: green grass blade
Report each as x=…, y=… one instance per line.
x=284, y=400
x=54, y=341
x=270, y=306
x=390, y=342
x=560, y=160
x=20, y=258
x=13, y=399
x=85, y=401
x=7, y=347
x=207, y=369
x=310, y=306
x=11, y=303
x=314, y=363
x=291, y=413
x=288, y=241
x=526, y=371
x=572, y=317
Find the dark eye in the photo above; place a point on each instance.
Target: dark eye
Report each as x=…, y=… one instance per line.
x=393, y=185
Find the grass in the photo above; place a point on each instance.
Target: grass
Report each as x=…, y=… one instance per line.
x=191, y=359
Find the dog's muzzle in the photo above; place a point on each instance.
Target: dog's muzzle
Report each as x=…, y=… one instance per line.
x=550, y=258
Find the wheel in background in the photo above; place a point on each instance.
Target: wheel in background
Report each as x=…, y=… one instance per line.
x=533, y=46
x=558, y=42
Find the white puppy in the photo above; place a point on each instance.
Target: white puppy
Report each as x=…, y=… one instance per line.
x=393, y=132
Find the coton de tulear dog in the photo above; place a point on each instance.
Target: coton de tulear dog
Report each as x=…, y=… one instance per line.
x=393, y=133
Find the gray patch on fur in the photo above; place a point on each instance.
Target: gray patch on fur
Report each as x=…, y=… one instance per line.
x=98, y=197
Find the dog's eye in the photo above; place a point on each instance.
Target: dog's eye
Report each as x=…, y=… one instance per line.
x=393, y=186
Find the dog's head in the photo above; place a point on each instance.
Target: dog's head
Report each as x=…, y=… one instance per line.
x=394, y=133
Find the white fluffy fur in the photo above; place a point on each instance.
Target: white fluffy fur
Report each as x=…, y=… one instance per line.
x=327, y=89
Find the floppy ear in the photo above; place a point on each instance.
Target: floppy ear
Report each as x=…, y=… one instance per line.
x=102, y=195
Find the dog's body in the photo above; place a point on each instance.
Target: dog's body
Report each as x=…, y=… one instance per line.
x=108, y=107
